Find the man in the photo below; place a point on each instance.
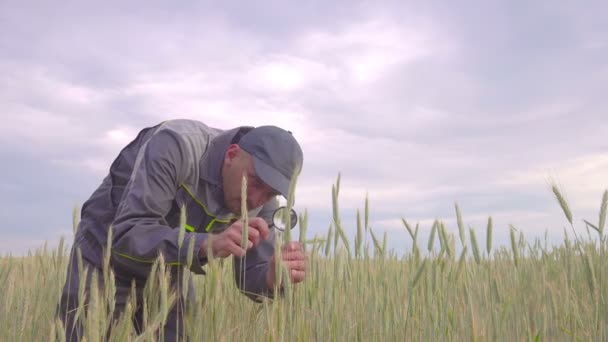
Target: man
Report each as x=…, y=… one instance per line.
x=186, y=164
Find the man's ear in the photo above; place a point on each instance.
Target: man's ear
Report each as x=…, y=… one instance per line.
x=231, y=153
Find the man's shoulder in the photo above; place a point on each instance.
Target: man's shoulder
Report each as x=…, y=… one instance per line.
x=191, y=135
x=190, y=127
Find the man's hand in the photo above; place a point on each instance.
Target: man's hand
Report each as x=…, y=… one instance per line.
x=294, y=259
x=228, y=242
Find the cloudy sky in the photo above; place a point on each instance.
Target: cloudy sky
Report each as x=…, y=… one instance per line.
x=419, y=105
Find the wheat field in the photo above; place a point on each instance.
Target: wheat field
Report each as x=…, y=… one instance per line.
x=449, y=288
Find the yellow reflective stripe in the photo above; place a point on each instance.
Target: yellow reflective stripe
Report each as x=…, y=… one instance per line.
x=202, y=205
x=187, y=227
x=208, y=228
x=145, y=261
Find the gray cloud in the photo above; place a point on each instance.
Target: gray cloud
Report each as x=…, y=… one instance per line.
x=419, y=105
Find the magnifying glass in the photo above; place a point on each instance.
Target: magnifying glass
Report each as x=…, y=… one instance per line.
x=278, y=219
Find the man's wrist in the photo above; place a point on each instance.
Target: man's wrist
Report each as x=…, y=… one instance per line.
x=202, y=252
x=269, y=280
x=206, y=247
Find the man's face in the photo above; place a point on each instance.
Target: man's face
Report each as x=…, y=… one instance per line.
x=238, y=163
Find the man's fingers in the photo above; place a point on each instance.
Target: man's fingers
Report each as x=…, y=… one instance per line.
x=297, y=276
x=235, y=238
x=236, y=233
x=260, y=225
x=298, y=265
x=254, y=235
x=236, y=250
x=297, y=255
x=292, y=247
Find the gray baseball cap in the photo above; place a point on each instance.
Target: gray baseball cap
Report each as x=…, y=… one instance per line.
x=276, y=153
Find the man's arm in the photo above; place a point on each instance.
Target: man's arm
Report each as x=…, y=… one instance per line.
x=257, y=261
x=140, y=229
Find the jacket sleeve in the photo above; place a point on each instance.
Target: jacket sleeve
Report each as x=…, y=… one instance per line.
x=141, y=232
x=256, y=262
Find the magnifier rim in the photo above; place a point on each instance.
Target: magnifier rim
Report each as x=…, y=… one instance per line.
x=294, y=216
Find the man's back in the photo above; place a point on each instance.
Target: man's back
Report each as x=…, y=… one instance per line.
x=100, y=210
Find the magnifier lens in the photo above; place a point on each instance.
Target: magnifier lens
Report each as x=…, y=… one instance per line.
x=278, y=219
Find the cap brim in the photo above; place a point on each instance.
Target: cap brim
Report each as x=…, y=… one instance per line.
x=272, y=177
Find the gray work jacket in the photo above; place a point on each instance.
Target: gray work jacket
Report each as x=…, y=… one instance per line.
x=176, y=163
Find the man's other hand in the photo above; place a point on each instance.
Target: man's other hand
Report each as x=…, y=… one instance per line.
x=294, y=259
